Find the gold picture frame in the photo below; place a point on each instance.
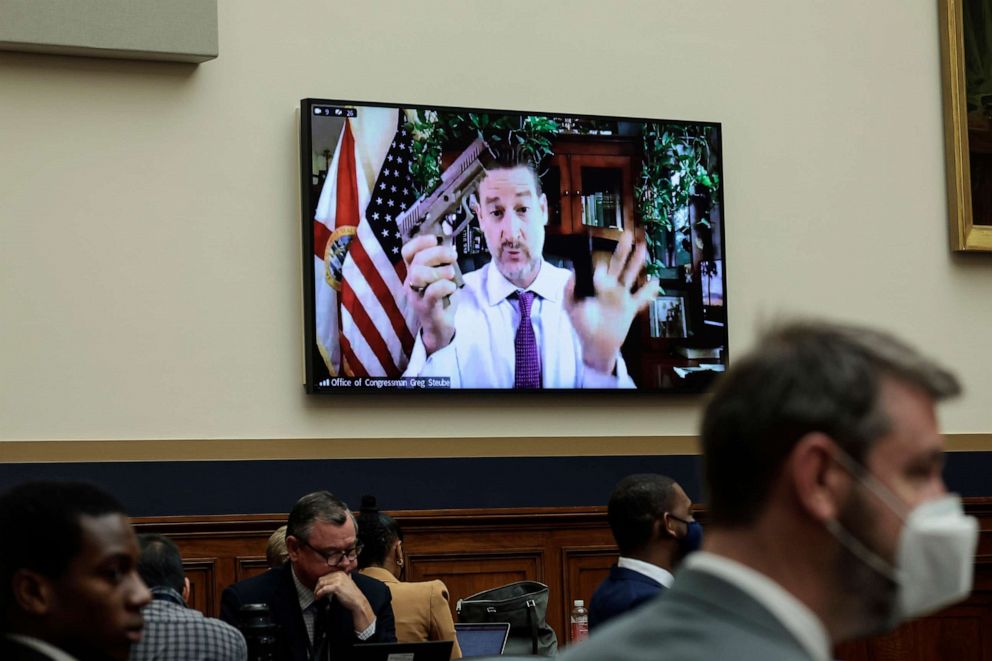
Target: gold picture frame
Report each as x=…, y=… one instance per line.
x=966, y=234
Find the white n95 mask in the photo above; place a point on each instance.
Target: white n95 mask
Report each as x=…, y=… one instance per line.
x=935, y=554
x=936, y=557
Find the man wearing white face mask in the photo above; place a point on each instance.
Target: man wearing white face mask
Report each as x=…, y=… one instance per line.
x=828, y=516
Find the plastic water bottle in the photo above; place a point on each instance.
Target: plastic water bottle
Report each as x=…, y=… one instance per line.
x=579, y=619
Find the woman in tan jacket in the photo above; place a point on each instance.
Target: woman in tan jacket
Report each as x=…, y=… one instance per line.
x=421, y=609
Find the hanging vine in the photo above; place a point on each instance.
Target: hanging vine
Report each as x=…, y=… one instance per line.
x=678, y=164
x=433, y=131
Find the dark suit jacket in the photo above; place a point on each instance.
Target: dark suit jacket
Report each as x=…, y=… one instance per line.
x=701, y=618
x=12, y=650
x=276, y=588
x=621, y=591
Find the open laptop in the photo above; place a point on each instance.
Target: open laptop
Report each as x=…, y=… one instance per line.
x=435, y=650
x=482, y=639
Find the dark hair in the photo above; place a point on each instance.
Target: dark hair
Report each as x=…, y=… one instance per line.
x=378, y=533
x=161, y=564
x=804, y=377
x=637, y=502
x=40, y=528
x=319, y=505
x=505, y=155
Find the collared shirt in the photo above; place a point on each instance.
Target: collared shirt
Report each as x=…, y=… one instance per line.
x=306, y=598
x=174, y=632
x=654, y=572
x=49, y=650
x=482, y=353
x=801, y=622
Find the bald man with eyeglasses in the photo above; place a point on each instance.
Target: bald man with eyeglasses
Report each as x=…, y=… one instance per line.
x=321, y=604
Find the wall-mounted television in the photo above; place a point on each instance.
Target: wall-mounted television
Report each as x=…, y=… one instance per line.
x=495, y=250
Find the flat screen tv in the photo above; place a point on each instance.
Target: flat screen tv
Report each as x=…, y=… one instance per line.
x=477, y=249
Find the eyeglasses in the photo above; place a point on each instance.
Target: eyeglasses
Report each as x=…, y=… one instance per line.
x=334, y=558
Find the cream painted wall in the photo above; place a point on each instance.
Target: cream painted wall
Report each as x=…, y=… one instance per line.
x=149, y=213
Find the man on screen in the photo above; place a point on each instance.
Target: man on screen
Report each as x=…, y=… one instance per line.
x=517, y=323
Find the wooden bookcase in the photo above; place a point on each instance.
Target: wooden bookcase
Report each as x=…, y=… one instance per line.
x=584, y=165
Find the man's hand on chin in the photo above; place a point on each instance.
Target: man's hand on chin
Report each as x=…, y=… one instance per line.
x=340, y=586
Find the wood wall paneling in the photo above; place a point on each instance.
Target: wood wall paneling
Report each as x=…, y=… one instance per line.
x=569, y=549
x=234, y=545
x=469, y=573
x=247, y=567
x=583, y=568
x=202, y=581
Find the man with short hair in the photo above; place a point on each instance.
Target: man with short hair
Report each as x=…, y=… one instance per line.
x=69, y=587
x=829, y=518
x=652, y=522
x=517, y=323
x=322, y=604
x=173, y=631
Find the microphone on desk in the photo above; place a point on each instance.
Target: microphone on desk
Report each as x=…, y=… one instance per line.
x=263, y=637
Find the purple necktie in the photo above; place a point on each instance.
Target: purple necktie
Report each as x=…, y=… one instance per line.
x=527, y=370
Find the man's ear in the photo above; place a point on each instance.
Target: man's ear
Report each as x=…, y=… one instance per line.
x=663, y=528
x=33, y=592
x=292, y=547
x=186, y=589
x=819, y=483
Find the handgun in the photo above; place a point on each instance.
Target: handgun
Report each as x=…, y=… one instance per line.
x=436, y=213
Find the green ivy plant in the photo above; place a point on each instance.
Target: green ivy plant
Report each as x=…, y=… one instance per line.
x=432, y=131
x=678, y=164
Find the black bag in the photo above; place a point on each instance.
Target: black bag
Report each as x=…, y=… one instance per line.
x=524, y=605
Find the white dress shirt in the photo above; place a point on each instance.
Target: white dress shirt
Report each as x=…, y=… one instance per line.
x=482, y=353
x=654, y=572
x=49, y=650
x=801, y=622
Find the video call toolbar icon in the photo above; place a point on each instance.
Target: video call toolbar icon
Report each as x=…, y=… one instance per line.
x=334, y=111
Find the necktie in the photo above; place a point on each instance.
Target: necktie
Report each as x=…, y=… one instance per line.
x=319, y=646
x=527, y=369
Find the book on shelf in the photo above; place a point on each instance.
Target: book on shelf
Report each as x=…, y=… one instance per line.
x=602, y=209
x=611, y=211
x=589, y=213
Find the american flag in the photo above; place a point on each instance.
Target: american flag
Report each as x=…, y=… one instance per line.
x=377, y=328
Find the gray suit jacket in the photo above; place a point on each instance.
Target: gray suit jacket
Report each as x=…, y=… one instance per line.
x=701, y=618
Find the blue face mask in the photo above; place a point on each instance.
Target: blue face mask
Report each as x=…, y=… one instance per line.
x=693, y=539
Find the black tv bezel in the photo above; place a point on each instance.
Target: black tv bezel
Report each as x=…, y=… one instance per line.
x=309, y=311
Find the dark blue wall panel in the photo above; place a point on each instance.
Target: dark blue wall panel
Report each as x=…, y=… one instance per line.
x=240, y=487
